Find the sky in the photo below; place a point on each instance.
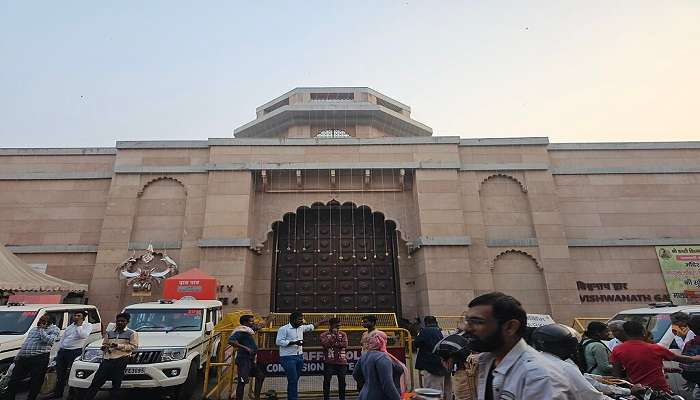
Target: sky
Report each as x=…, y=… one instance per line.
x=85, y=74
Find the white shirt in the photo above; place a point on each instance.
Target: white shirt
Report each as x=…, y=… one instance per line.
x=287, y=334
x=612, y=343
x=523, y=374
x=75, y=336
x=681, y=342
x=580, y=388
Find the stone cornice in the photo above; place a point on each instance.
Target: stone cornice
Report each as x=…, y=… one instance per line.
x=53, y=248
x=78, y=151
x=24, y=176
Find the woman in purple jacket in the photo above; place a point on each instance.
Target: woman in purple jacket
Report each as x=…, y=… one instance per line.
x=380, y=375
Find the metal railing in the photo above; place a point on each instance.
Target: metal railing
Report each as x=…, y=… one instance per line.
x=221, y=365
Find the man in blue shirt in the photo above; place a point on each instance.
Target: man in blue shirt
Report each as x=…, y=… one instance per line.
x=33, y=357
x=243, y=339
x=290, y=339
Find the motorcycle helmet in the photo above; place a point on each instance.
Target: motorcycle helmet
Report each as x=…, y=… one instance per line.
x=555, y=339
x=456, y=347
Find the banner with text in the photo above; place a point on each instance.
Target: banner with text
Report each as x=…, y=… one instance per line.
x=680, y=266
x=269, y=361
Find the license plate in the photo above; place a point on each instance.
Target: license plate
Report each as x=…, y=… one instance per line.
x=134, y=371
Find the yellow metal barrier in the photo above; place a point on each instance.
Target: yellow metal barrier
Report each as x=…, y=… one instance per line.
x=309, y=386
x=220, y=356
x=220, y=372
x=580, y=324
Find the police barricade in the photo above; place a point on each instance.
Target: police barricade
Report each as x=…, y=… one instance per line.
x=220, y=368
x=311, y=381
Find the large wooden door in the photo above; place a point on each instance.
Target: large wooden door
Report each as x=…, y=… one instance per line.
x=333, y=258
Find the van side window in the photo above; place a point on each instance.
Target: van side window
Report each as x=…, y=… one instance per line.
x=57, y=317
x=93, y=317
x=209, y=315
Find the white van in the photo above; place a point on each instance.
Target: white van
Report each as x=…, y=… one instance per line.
x=172, y=341
x=657, y=320
x=17, y=319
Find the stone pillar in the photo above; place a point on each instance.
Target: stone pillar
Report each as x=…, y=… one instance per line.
x=443, y=282
x=105, y=288
x=227, y=221
x=553, y=245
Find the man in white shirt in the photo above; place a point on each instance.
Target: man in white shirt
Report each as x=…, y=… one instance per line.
x=509, y=369
x=290, y=339
x=71, y=346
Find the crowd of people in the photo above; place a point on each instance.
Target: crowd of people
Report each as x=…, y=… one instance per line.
x=33, y=358
x=494, y=355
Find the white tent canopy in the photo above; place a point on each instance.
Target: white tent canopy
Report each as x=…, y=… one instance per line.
x=16, y=275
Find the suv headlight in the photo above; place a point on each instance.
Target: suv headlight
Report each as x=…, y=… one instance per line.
x=92, y=355
x=173, y=354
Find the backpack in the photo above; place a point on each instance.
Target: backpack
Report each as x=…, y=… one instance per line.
x=691, y=376
x=581, y=355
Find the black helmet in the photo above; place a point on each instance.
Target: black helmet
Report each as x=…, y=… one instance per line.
x=456, y=346
x=555, y=339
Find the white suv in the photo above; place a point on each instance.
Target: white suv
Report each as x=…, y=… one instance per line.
x=172, y=342
x=657, y=320
x=17, y=319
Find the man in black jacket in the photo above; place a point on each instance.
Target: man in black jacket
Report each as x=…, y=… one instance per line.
x=429, y=364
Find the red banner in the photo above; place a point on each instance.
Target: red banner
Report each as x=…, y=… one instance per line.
x=269, y=361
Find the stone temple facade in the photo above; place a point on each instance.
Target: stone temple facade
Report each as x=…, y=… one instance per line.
x=335, y=199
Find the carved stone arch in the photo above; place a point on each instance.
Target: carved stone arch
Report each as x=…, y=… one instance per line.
x=334, y=257
x=517, y=273
x=160, y=178
x=262, y=236
x=523, y=187
x=515, y=251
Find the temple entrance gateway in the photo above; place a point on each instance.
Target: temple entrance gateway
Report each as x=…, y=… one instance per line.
x=335, y=258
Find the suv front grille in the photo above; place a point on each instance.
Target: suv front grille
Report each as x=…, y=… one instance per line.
x=145, y=357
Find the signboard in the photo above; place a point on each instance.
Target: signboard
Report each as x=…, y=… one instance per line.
x=537, y=320
x=680, y=266
x=41, y=268
x=269, y=361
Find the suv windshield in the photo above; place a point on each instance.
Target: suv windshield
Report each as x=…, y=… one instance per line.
x=16, y=322
x=144, y=320
x=656, y=324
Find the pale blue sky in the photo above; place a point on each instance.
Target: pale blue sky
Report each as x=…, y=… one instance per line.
x=87, y=74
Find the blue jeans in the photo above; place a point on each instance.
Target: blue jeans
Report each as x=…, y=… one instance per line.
x=292, y=367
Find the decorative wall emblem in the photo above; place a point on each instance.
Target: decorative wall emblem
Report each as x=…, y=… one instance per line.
x=142, y=272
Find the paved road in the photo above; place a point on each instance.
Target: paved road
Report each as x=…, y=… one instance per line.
x=128, y=394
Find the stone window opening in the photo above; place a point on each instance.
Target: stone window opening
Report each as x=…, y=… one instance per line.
x=333, y=134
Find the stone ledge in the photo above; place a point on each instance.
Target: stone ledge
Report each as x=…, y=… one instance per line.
x=160, y=169
x=68, y=151
x=661, y=169
x=333, y=142
x=505, y=167
x=632, y=242
x=442, y=241
x=26, y=176
x=156, y=245
x=53, y=248
x=162, y=144
x=529, y=242
x=625, y=146
x=516, y=141
x=239, y=242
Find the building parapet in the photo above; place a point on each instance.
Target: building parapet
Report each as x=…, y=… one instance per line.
x=53, y=248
